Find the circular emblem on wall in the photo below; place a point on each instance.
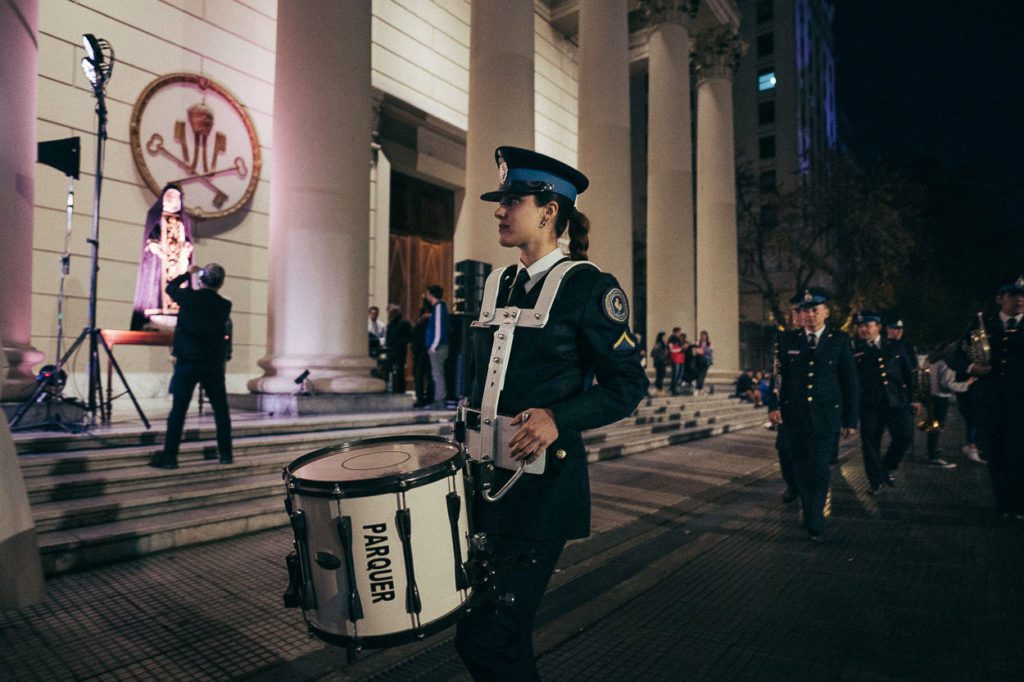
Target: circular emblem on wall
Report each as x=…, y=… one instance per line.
x=190, y=130
x=616, y=308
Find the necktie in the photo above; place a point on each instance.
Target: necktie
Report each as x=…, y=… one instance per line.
x=518, y=292
x=1011, y=323
x=812, y=341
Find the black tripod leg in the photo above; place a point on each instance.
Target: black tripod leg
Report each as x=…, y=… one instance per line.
x=127, y=388
x=41, y=385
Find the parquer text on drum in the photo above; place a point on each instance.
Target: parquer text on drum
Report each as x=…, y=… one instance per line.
x=378, y=562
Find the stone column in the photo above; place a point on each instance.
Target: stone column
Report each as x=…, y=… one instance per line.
x=604, y=142
x=716, y=56
x=18, y=73
x=501, y=96
x=320, y=200
x=670, y=239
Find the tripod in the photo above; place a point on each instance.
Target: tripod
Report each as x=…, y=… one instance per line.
x=97, y=65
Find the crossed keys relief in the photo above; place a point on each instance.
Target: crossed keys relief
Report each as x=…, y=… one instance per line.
x=196, y=159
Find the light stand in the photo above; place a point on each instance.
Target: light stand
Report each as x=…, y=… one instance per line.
x=97, y=65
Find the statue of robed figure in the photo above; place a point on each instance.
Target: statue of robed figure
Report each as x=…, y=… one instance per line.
x=167, y=251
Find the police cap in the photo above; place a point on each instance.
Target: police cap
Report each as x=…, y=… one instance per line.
x=895, y=324
x=865, y=316
x=1014, y=287
x=522, y=171
x=808, y=298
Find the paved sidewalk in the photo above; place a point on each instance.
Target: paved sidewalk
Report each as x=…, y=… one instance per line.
x=695, y=571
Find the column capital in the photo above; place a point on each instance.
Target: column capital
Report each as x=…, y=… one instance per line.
x=657, y=12
x=717, y=53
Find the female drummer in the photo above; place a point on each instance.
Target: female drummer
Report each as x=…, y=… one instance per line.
x=580, y=371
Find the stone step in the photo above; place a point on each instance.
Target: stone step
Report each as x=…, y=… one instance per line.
x=76, y=513
x=264, y=457
x=202, y=428
x=79, y=548
x=107, y=505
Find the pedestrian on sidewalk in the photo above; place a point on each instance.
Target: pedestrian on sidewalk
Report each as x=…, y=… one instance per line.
x=659, y=354
x=200, y=355
x=885, y=375
x=703, y=358
x=816, y=402
x=586, y=332
x=677, y=358
x=943, y=385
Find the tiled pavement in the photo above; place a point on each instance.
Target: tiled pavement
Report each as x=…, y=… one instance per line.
x=695, y=571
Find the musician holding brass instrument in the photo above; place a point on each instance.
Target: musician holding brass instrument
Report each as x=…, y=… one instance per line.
x=547, y=324
x=993, y=351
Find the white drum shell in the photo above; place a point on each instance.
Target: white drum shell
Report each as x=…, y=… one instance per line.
x=377, y=550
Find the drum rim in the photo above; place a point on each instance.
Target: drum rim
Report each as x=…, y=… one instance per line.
x=395, y=638
x=372, y=486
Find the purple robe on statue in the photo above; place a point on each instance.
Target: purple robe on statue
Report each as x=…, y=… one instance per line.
x=150, y=284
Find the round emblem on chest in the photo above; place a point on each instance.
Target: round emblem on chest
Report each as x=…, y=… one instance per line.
x=616, y=308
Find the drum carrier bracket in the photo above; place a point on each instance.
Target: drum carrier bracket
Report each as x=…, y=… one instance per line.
x=488, y=449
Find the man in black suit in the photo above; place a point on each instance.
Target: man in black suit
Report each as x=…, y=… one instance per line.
x=200, y=352
x=999, y=400
x=885, y=375
x=817, y=399
x=396, y=346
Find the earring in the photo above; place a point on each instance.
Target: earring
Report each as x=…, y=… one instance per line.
x=543, y=223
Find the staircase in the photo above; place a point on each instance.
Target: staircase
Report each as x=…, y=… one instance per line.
x=95, y=500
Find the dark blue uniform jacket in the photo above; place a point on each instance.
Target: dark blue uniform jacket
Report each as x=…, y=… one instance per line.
x=547, y=369
x=819, y=387
x=885, y=374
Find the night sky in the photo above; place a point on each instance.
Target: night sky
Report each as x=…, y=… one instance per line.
x=936, y=77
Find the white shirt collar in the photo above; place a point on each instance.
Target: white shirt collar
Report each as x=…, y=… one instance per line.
x=1003, y=317
x=816, y=335
x=541, y=266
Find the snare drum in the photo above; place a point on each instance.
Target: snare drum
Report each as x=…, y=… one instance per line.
x=382, y=539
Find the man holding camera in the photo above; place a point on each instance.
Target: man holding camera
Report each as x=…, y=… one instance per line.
x=201, y=350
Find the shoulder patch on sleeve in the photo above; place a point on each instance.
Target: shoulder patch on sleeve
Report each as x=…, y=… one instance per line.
x=615, y=306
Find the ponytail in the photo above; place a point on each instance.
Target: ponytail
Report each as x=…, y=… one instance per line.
x=571, y=220
x=579, y=231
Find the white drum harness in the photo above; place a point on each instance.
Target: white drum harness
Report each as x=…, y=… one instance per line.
x=490, y=444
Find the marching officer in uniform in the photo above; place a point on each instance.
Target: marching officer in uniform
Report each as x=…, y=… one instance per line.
x=998, y=391
x=547, y=392
x=894, y=332
x=885, y=376
x=816, y=401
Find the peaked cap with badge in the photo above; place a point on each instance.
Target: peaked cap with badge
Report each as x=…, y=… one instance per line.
x=523, y=171
x=1014, y=287
x=866, y=316
x=810, y=297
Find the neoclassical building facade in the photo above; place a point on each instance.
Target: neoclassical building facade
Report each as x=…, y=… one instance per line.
x=377, y=122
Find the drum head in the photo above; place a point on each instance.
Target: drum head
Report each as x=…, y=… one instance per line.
x=374, y=462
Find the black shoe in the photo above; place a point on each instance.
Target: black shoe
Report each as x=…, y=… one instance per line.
x=789, y=496
x=227, y=460
x=159, y=462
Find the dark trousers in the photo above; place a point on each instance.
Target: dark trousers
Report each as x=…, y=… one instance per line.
x=421, y=377
x=395, y=373
x=940, y=406
x=1001, y=431
x=183, y=385
x=873, y=423
x=785, y=458
x=701, y=373
x=811, y=452
x=659, y=376
x=499, y=645
x=677, y=377
x=965, y=405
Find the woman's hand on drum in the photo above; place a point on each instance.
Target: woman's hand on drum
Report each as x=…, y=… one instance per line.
x=536, y=432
